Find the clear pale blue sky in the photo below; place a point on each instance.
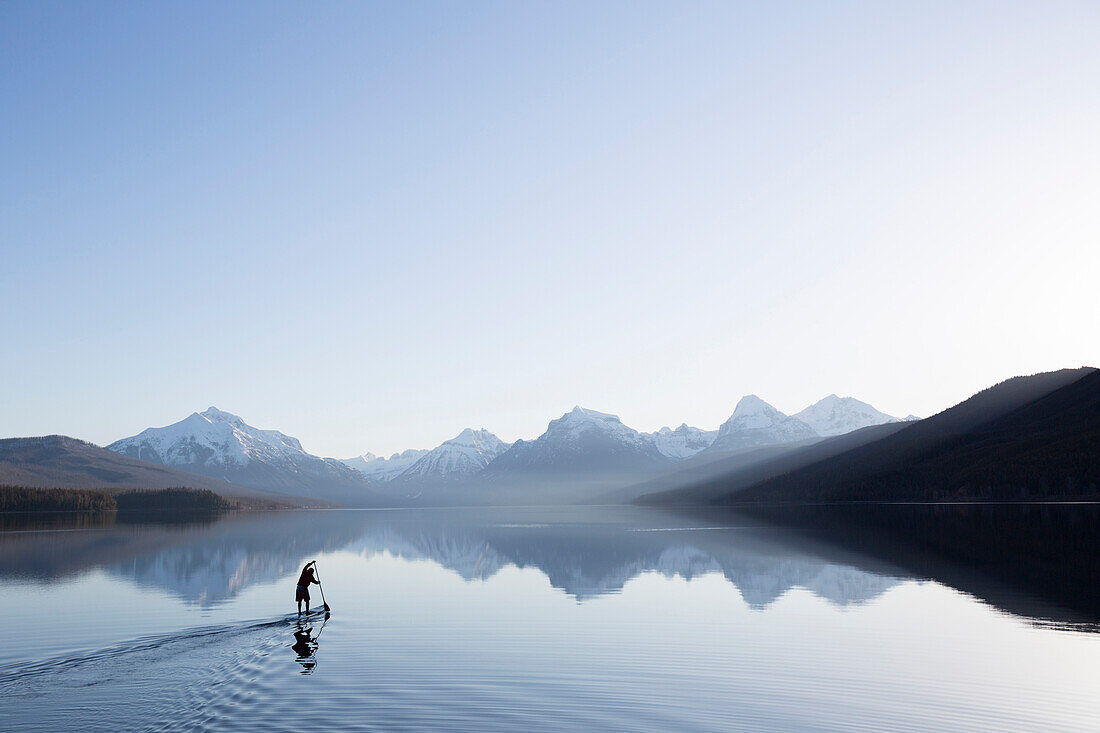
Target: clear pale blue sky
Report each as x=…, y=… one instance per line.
x=372, y=225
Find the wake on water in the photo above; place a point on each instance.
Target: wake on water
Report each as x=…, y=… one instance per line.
x=178, y=680
x=197, y=636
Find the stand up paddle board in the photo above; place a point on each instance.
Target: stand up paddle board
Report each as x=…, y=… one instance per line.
x=311, y=613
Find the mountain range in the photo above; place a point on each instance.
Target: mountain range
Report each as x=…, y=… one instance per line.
x=1028, y=438
x=585, y=453
x=755, y=423
x=838, y=449
x=581, y=455
x=377, y=468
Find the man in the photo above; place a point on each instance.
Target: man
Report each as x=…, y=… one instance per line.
x=301, y=593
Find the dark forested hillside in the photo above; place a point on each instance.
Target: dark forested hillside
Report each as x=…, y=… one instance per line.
x=1048, y=448
x=1035, y=437
x=58, y=461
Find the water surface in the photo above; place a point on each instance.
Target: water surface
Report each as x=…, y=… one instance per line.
x=546, y=619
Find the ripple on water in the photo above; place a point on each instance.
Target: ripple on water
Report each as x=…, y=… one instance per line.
x=248, y=678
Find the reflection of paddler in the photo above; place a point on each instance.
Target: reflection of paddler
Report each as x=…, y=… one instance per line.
x=305, y=646
x=308, y=576
x=303, y=642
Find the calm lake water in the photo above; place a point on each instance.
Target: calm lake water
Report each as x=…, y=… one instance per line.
x=554, y=619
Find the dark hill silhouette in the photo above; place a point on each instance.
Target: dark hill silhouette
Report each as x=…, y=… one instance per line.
x=1027, y=438
x=58, y=461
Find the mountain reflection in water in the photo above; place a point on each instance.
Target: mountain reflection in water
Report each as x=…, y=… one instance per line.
x=585, y=552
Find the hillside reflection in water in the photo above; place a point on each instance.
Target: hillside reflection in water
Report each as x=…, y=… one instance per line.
x=576, y=618
x=586, y=552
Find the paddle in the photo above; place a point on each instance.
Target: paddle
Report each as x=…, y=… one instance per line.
x=321, y=587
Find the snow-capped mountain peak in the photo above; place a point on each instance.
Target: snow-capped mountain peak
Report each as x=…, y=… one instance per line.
x=213, y=414
x=756, y=423
x=220, y=444
x=835, y=415
x=579, y=420
x=751, y=408
x=581, y=442
x=212, y=437
x=476, y=438
x=579, y=411
x=460, y=457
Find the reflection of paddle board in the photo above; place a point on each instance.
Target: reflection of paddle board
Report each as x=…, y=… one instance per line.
x=311, y=613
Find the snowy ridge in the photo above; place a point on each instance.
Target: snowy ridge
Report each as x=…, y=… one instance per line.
x=376, y=468
x=834, y=415
x=683, y=442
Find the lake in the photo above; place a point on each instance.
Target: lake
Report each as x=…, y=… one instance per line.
x=581, y=618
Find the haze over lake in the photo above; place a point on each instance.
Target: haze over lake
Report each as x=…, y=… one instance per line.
x=700, y=365
x=535, y=618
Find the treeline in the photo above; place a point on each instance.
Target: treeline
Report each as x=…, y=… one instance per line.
x=175, y=499
x=26, y=499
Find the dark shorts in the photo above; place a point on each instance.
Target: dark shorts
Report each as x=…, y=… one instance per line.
x=301, y=593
